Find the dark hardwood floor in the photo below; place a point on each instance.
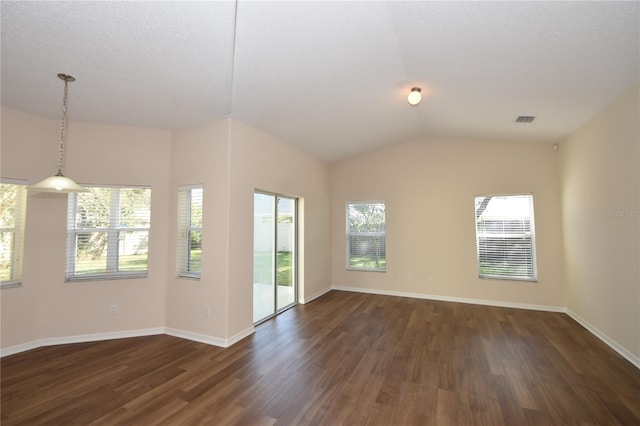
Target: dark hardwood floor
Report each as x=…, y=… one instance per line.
x=346, y=358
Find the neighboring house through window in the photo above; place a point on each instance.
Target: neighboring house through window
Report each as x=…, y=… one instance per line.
x=108, y=233
x=366, y=236
x=505, y=236
x=13, y=196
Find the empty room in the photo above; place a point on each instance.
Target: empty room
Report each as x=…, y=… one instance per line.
x=320, y=213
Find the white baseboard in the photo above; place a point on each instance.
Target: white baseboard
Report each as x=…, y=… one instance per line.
x=502, y=304
x=593, y=330
x=225, y=343
x=196, y=337
x=315, y=295
x=82, y=338
x=210, y=340
x=12, y=350
x=633, y=359
x=183, y=334
x=239, y=336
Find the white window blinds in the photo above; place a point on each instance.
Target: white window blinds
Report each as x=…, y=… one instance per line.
x=108, y=233
x=366, y=236
x=13, y=196
x=189, y=240
x=505, y=235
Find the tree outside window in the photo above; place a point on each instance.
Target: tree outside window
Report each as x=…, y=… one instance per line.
x=366, y=236
x=13, y=203
x=108, y=233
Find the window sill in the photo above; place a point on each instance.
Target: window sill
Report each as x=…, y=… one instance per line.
x=101, y=277
x=10, y=284
x=189, y=277
x=503, y=278
x=365, y=269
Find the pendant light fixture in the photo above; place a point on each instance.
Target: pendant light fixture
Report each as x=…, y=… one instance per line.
x=59, y=182
x=415, y=96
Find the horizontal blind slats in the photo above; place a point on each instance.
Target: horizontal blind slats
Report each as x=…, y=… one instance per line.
x=505, y=237
x=189, y=232
x=108, y=232
x=366, y=236
x=13, y=196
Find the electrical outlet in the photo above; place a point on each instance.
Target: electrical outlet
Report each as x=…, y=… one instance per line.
x=207, y=311
x=113, y=309
x=432, y=279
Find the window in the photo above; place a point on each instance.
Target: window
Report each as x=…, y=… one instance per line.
x=13, y=196
x=366, y=236
x=189, y=241
x=505, y=235
x=108, y=233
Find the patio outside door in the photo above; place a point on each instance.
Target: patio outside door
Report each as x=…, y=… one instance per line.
x=274, y=255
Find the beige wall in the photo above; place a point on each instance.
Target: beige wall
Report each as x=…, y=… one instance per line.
x=199, y=155
x=45, y=306
x=259, y=161
x=600, y=211
x=428, y=186
x=230, y=159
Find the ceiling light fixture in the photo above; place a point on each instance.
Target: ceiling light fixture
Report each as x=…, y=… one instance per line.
x=59, y=182
x=415, y=96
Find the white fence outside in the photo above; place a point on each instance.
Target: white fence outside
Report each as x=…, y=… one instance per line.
x=263, y=234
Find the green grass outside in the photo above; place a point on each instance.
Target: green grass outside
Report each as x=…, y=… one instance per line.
x=195, y=260
x=130, y=263
x=500, y=269
x=263, y=267
x=367, y=262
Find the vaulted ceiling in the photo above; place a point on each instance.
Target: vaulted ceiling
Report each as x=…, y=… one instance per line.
x=330, y=77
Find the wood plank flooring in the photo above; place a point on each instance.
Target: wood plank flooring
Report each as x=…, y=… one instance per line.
x=346, y=358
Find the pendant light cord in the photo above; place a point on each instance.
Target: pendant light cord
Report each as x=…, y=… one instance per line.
x=63, y=127
x=59, y=183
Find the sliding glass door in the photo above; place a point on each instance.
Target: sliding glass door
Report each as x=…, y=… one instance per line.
x=274, y=254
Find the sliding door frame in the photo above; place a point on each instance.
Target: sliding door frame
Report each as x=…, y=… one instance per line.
x=294, y=253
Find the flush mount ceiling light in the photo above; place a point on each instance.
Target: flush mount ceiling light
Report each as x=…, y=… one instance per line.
x=415, y=96
x=59, y=182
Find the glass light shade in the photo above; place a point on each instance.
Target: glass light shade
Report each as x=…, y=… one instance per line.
x=59, y=184
x=415, y=96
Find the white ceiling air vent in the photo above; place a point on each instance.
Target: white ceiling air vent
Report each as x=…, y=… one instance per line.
x=525, y=119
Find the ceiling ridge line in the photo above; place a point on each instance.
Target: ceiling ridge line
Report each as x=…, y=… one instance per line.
x=229, y=111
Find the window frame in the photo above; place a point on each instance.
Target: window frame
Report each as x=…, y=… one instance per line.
x=18, y=231
x=350, y=234
x=185, y=229
x=113, y=237
x=530, y=236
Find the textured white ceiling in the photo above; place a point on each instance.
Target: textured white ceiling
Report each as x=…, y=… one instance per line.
x=330, y=77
